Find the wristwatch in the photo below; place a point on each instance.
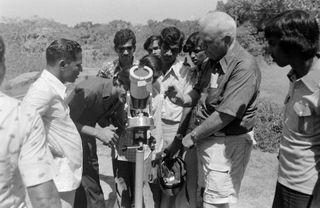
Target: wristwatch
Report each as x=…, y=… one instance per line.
x=193, y=135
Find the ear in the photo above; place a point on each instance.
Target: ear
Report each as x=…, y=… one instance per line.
x=227, y=40
x=61, y=64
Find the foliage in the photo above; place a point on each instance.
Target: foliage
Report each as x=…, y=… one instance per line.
x=251, y=16
x=268, y=126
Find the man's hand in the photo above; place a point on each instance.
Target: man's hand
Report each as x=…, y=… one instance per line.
x=108, y=136
x=187, y=141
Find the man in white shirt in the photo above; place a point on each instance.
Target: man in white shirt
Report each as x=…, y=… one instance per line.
x=47, y=94
x=25, y=160
x=175, y=73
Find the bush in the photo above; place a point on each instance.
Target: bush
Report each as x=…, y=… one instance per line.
x=268, y=127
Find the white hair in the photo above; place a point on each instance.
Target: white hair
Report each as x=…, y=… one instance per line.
x=218, y=23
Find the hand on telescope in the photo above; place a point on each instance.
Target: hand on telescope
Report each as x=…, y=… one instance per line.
x=108, y=135
x=173, y=95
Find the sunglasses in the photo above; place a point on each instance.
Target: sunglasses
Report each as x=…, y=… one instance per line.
x=122, y=49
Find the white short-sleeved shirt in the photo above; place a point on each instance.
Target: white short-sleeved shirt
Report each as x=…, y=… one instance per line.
x=178, y=75
x=25, y=159
x=47, y=94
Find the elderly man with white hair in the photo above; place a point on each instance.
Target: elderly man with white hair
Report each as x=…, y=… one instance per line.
x=221, y=127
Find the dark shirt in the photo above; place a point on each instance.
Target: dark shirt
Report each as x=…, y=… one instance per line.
x=91, y=103
x=236, y=92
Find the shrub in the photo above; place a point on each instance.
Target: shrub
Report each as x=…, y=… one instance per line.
x=268, y=127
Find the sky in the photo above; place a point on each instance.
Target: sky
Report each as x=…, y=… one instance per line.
x=71, y=12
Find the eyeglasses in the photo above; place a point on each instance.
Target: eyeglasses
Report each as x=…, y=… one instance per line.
x=122, y=49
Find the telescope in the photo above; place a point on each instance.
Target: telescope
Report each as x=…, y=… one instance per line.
x=139, y=120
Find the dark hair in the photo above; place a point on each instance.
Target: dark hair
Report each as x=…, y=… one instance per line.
x=154, y=62
x=192, y=42
x=62, y=49
x=297, y=30
x=2, y=50
x=123, y=36
x=172, y=36
x=150, y=40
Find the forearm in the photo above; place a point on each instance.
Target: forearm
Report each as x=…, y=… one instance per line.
x=214, y=123
x=44, y=195
x=88, y=130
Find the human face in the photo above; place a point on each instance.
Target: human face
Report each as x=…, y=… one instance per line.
x=169, y=53
x=197, y=56
x=71, y=70
x=278, y=55
x=215, y=45
x=154, y=48
x=125, y=52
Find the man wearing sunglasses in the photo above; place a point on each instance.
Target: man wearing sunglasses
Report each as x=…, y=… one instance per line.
x=125, y=46
x=123, y=162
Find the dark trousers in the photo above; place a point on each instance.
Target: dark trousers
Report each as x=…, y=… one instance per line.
x=288, y=198
x=89, y=194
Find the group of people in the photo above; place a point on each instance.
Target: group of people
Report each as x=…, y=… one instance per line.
x=204, y=109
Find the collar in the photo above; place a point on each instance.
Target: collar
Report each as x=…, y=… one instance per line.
x=232, y=52
x=118, y=68
x=55, y=83
x=311, y=79
x=174, y=69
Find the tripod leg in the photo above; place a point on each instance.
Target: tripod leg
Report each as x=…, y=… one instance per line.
x=139, y=177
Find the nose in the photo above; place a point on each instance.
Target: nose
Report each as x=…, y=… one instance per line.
x=80, y=68
x=126, y=52
x=168, y=53
x=192, y=55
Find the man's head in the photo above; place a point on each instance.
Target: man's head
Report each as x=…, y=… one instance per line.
x=2, y=60
x=195, y=47
x=119, y=88
x=153, y=45
x=293, y=33
x=66, y=57
x=125, y=45
x=154, y=63
x=171, y=44
x=218, y=32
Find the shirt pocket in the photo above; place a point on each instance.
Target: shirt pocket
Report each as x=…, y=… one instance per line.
x=305, y=118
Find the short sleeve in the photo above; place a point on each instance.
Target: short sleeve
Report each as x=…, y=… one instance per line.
x=239, y=90
x=35, y=160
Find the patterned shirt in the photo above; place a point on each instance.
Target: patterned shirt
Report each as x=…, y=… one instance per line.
x=47, y=94
x=111, y=69
x=25, y=159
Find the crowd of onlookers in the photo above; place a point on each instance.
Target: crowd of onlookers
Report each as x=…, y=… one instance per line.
x=203, y=108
